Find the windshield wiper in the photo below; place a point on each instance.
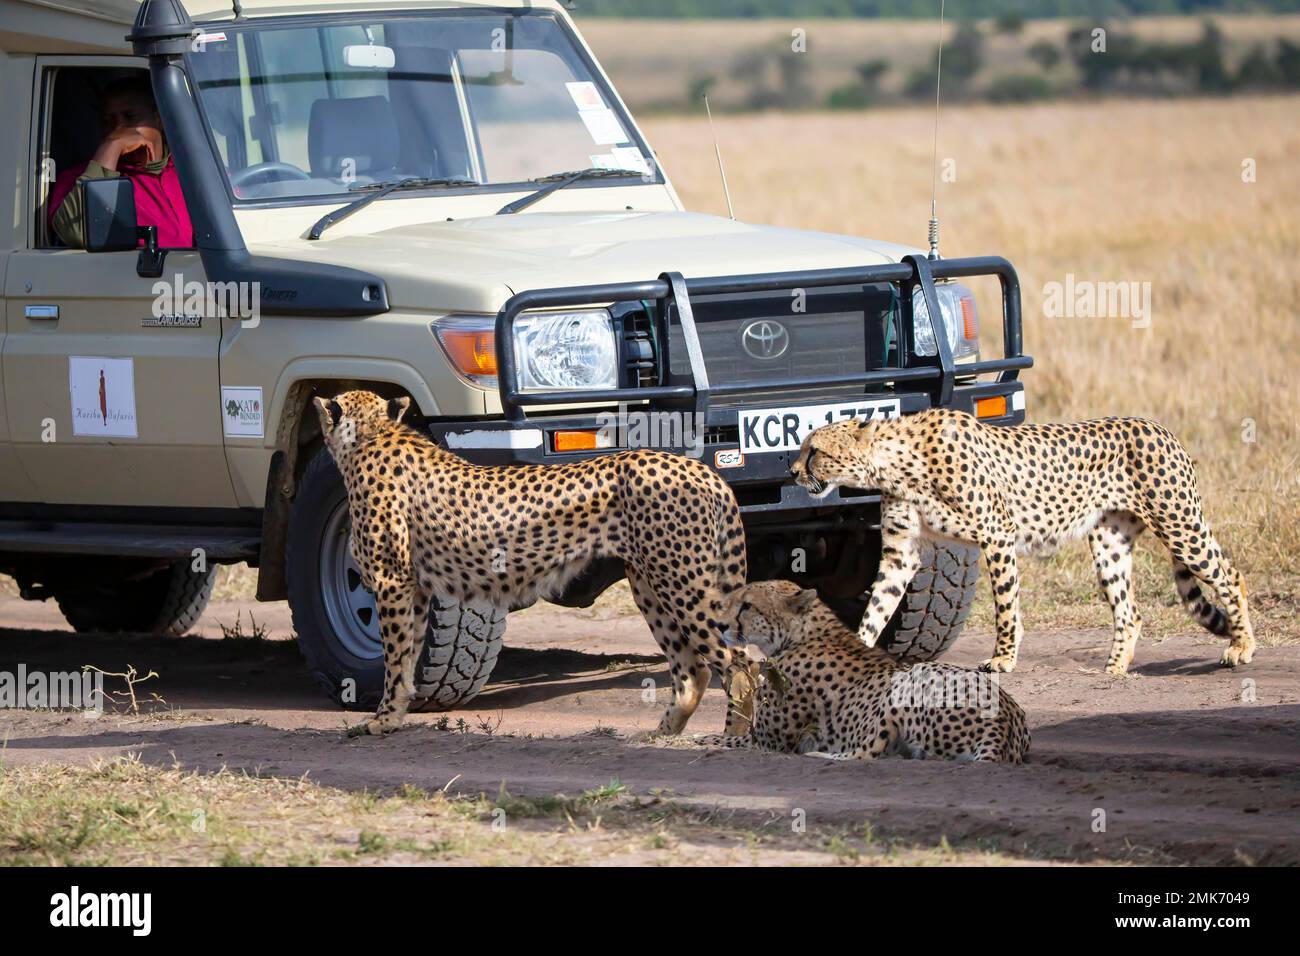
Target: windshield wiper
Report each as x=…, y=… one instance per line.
x=379, y=191
x=557, y=181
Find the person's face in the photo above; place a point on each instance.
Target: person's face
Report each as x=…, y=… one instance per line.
x=129, y=110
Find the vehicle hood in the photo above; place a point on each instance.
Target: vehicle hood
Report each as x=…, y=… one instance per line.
x=475, y=265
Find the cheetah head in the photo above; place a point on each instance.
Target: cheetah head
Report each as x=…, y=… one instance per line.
x=770, y=616
x=836, y=455
x=349, y=419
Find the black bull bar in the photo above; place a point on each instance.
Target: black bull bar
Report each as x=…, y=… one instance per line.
x=673, y=293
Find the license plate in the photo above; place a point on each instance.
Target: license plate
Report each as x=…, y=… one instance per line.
x=784, y=429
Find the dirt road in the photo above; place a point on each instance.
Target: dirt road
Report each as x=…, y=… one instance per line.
x=1182, y=762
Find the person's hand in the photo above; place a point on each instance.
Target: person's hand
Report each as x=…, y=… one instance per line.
x=126, y=140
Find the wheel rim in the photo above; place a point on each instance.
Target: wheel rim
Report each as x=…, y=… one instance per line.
x=349, y=605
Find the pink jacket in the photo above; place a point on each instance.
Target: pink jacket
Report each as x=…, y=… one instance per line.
x=158, y=201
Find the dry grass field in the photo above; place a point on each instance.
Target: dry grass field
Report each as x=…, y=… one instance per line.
x=1119, y=191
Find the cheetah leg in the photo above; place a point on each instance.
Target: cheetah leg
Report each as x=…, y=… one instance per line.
x=1206, y=562
x=1233, y=619
x=900, y=559
x=397, y=602
x=1004, y=579
x=1111, y=542
x=689, y=671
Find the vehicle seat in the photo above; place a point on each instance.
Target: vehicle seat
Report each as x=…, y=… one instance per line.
x=362, y=129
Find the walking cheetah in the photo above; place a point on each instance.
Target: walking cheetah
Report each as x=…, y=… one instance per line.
x=428, y=525
x=827, y=694
x=1030, y=488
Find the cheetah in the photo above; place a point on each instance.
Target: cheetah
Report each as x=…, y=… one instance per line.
x=428, y=525
x=943, y=474
x=827, y=694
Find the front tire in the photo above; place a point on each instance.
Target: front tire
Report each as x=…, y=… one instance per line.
x=932, y=613
x=337, y=623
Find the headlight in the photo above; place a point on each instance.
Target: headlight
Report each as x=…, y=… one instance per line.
x=566, y=350
x=958, y=318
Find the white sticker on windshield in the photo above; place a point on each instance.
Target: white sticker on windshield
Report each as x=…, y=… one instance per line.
x=585, y=96
x=603, y=161
x=604, y=127
x=630, y=157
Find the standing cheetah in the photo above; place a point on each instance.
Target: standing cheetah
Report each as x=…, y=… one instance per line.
x=428, y=525
x=944, y=474
x=827, y=694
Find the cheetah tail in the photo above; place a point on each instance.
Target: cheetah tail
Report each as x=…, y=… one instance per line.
x=1210, y=616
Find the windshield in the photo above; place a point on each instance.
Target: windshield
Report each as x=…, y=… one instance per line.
x=328, y=109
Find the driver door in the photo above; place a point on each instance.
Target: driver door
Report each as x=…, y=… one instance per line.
x=105, y=405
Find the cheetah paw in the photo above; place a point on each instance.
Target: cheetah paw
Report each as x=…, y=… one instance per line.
x=375, y=727
x=1117, y=670
x=1232, y=655
x=998, y=665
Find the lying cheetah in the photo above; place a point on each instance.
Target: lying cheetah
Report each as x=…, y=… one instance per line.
x=943, y=474
x=428, y=525
x=827, y=694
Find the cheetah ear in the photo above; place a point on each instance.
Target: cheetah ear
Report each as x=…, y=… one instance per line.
x=329, y=411
x=397, y=407
x=867, y=431
x=804, y=601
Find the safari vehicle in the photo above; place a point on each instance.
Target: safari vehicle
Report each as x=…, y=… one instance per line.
x=446, y=201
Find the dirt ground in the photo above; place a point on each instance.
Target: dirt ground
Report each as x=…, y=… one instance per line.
x=1181, y=762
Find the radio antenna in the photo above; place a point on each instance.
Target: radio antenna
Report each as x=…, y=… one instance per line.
x=934, y=163
x=722, y=170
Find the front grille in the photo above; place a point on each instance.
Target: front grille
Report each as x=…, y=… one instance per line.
x=766, y=336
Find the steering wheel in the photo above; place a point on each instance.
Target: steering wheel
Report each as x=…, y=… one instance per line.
x=271, y=172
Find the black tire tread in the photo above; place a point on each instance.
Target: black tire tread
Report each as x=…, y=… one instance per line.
x=169, y=602
x=937, y=604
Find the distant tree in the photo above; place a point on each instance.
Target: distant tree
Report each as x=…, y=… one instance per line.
x=962, y=59
x=699, y=88
x=1010, y=23
x=1045, y=53
x=1206, y=56
x=862, y=94
x=1019, y=88
x=1288, y=63
x=1257, y=71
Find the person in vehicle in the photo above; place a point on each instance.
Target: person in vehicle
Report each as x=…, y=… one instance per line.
x=133, y=146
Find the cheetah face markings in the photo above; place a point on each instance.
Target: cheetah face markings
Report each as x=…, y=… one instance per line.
x=834, y=456
x=824, y=693
x=755, y=610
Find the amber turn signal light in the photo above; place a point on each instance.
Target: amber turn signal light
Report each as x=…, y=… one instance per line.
x=471, y=351
x=994, y=407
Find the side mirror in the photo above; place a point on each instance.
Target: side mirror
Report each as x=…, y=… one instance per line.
x=108, y=215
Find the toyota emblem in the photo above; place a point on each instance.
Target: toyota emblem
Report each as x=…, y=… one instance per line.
x=764, y=339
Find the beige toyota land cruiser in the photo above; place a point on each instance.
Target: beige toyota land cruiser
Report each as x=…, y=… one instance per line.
x=441, y=200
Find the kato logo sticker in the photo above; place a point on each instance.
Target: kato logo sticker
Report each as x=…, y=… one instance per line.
x=242, y=412
x=103, y=396
x=728, y=458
